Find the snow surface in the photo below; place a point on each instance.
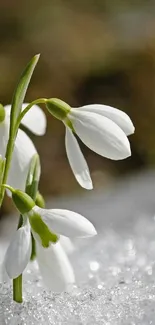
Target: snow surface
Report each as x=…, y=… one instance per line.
x=115, y=270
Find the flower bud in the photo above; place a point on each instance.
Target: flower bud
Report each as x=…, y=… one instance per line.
x=2, y=113
x=22, y=201
x=58, y=108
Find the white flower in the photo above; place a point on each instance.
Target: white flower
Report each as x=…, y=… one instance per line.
x=65, y=222
x=24, y=148
x=55, y=268
x=101, y=128
x=19, y=251
x=53, y=262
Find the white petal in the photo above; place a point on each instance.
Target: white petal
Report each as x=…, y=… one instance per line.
x=3, y=275
x=65, y=222
x=19, y=252
x=67, y=244
x=77, y=161
x=101, y=135
x=23, y=152
x=55, y=268
x=7, y=110
x=34, y=120
x=3, y=248
x=117, y=116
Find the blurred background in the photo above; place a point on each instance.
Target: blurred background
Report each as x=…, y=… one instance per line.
x=92, y=51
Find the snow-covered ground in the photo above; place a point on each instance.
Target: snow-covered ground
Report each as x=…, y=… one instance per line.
x=115, y=270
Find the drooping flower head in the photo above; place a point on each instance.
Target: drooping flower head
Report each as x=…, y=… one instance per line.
x=101, y=128
x=46, y=226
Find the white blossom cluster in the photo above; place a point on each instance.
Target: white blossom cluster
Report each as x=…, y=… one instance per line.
x=101, y=128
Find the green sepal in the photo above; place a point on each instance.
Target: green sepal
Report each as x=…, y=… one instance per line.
x=2, y=113
x=20, y=91
x=40, y=228
x=22, y=201
x=58, y=108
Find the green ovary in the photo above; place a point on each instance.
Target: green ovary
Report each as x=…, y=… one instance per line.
x=58, y=108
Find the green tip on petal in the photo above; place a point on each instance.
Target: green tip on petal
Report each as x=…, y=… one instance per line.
x=40, y=228
x=22, y=201
x=2, y=113
x=58, y=108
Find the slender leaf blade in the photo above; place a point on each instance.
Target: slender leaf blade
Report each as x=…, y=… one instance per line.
x=21, y=89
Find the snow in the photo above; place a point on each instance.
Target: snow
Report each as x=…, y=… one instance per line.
x=115, y=270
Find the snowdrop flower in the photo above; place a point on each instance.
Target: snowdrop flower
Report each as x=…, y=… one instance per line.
x=67, y=245
x=24, y=148
x=45, y=224
x=55, y=268
x=54, y=265
x=101, y=128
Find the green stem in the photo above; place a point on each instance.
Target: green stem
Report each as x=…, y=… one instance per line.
x=2, y=167
x=17, y=282
x=17, y=289
x=27, y=108
x=8, y=157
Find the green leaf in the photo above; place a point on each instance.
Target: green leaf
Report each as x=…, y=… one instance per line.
x=21, y=89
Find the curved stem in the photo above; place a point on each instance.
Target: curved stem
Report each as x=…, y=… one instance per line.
x=27, y=108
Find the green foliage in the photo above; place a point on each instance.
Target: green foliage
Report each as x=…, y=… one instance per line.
x=21, y=89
